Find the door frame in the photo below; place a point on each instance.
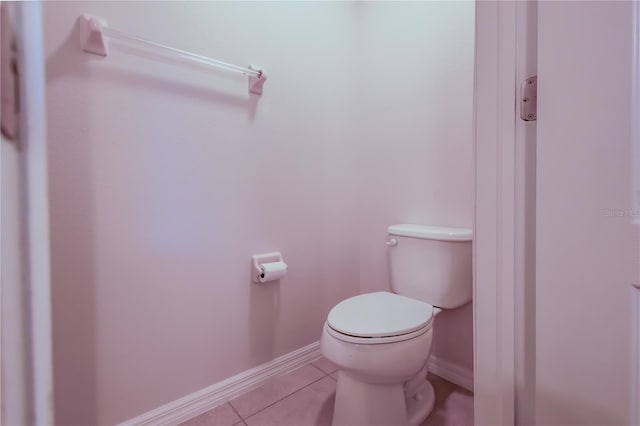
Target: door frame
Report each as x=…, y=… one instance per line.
x=496, y=224
x=635, y=216
x=33, y=316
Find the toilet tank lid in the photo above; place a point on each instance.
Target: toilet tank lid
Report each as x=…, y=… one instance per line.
x=442, y=233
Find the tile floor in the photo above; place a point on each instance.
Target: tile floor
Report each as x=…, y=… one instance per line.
x=304, y=397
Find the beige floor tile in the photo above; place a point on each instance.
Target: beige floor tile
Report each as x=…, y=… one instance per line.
x=312, y=405
x=305, y=397
x=325, y=365
x=274, y=390
x=219, y=416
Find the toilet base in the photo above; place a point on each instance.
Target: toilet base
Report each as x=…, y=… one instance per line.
x=360, y=403
x=420, y=405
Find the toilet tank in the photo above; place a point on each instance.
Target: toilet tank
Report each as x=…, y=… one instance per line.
x=431, y=263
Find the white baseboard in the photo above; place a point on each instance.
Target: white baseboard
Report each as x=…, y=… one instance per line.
x=205, y=399
x=462, y=377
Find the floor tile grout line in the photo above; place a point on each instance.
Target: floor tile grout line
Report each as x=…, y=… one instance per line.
x=235, y=411
x=283, y=398
x=321, y=370
x=275, y=402
x=287, y=395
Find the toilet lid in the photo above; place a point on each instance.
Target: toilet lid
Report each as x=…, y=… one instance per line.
x=381, y=314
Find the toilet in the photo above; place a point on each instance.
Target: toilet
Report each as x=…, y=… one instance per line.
x=381, y=341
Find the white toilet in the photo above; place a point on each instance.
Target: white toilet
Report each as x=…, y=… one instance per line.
x=381, y=341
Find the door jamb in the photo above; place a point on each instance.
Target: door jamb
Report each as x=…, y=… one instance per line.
x=495, y=212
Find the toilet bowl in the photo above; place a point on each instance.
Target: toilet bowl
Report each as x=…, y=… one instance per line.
x=381, y=342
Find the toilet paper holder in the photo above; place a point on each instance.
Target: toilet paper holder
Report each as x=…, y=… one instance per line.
x=259, y=259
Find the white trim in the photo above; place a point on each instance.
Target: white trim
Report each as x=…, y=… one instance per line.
x=205, y=399
x=31, y=318
x=525, y=224
x=495, y=212
x=635, y=206
x=451, y=372
x=33, y=133
x=635, y=109
x=634, y=402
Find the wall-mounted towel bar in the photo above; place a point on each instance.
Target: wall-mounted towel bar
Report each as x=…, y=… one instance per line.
x=94, y=33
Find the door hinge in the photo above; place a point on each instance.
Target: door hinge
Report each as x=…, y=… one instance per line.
x=529, y=99
x=10, y=114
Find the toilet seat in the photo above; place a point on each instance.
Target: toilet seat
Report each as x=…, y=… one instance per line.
x=377, y=318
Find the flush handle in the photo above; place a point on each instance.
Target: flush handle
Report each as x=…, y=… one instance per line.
x=392, y=242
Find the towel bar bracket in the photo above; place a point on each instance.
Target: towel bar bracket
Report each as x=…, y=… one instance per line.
x=256, y=83
x=92, y=40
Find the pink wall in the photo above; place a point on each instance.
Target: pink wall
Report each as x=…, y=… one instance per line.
x=586, y=256
x=415, y=156
x=165, y=178
x=415, y=150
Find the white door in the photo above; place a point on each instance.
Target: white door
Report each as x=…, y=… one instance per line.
x=587, y=245
x=26, y=387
